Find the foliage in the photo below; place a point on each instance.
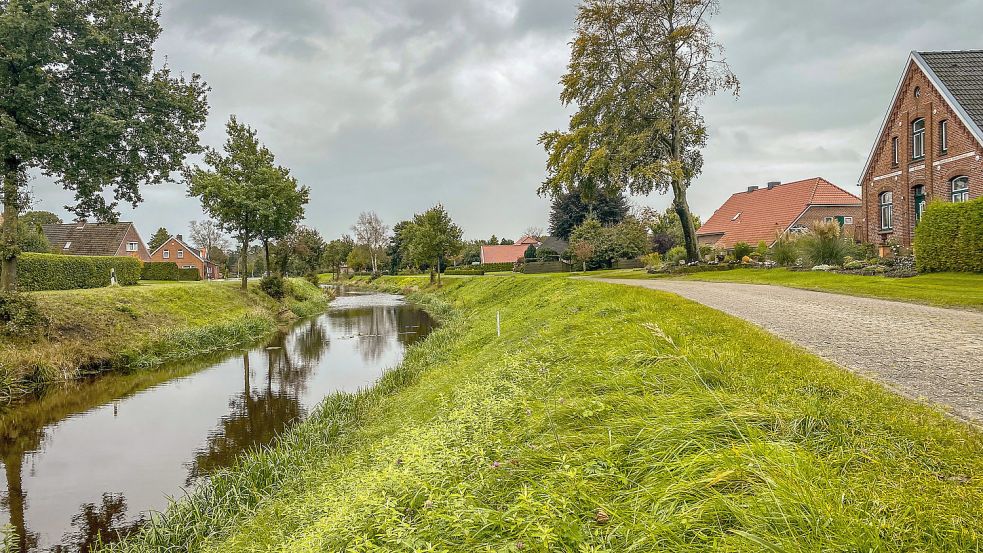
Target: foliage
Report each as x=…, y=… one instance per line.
x=530, y=252
x=785, y=251
x=687, y=429
x=638, y=72
x=666, y=229
x=742, y=250
x=397, y=248
x=83, y=103
x=497, y=267
x=245, y=192
x=372, y=233
x=359, y=258
x=31, y=239
x=762, y=250
x=158, y=239
x=568, y=210
x=160, y=270
x=207, y=235
x=626, y=240
x=189, y=274
x=652, y=260
x=336, y=253
x=301, y=252
x=432, y=237
x=824, y=244
x=676, y=254
x=273, y=286
x=20, y=316
x=544, y=253
x=949, y=237
x=457, y=271
x=42, y=271
x=35, y=219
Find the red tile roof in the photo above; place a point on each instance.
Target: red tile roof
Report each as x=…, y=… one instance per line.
x=503, y=254
x=764, y=213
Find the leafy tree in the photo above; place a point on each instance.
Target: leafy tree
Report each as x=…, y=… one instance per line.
x=158, y=239
x=40, y=218
x=371, y=232
x=471, y=252
x=637, y=74
x=336, y=254
x=359, y=258
x=396, y=250
x=530, y=252
x=237, y=189
x=281, y=211
x=83, y=103
x=569, y=210
x=507, y=242
x=666, y=229
x=493, y=241
x=207, y=236
x=432, y=237
x=302, y=252
x=629, y=239
x=626, y=240
x=588, y=242
x=31, y=239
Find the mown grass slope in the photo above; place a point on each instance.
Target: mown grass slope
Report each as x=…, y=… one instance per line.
x=141, y=326
x=604, y=418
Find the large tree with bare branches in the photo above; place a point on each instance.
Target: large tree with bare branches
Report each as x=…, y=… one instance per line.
x=638, y=73
x=372, y=233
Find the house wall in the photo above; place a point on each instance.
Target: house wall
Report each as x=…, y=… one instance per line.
x=142, y=253
x=935, y=171
x=189, y=260
x=818, y=213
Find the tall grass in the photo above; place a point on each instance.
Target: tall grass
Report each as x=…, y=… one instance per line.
x=604, y=418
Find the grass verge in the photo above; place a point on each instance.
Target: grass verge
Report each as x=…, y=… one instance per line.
x=604, y=418
x=143, y=326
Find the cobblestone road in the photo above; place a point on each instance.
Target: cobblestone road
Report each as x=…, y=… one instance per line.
x=929, y=353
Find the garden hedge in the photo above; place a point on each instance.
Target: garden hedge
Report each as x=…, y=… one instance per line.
x=45, y=271
x=949, y=237
x=188, y=274
x=463, y=272
x=167, y=270
x=496, y=267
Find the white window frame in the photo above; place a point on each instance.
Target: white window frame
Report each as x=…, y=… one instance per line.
x=848, y=220
x=132, y=247
x=829, y=219
x=167, y=254
x=918, y=139
x=944, y=136
x=68, y=245
x=961, y=194
x=895, y=151
x=180, y=254
x=886, y=209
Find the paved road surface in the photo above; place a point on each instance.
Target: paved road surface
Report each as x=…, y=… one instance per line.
x=925, y=352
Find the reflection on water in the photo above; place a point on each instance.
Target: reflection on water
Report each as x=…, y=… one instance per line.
x=90, y=459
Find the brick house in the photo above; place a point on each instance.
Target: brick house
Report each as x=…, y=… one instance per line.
x=928, y=147
x=508, y=253
x=764, y=214
x=108, y=239
x=175, y=250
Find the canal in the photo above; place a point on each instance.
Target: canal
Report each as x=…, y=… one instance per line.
x=94, y=457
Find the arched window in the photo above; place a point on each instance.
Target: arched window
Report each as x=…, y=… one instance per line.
x=960, y=189
x=918, y=139
x=886, y=201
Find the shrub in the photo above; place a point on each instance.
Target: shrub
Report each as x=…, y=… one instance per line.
x=313, y=278
x=43, y=271
x=949, y=237
x=652, y=260
x=785, y=251
x=676, y=254
x=495, y=267
x=762, y=249
x=459, y=272
x=273, y=286
x=20, y=316
x=853, y=265
x=823, y=244
x=530, y=252
x=746, y=260
x=188, y=274
x=742, y=250
x=159, y=270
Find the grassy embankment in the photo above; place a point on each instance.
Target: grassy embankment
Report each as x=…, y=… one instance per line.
x=605, y=418
x=142, y=326
x=963, y=290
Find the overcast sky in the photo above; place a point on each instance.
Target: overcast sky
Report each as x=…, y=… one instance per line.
x=395, y=105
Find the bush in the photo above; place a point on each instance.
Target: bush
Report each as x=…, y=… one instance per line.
x=460, y=272
x=496, y=267
x=20, y=316
x=742, y=250
x=188, y=274
x=785, y=251
x=676, y=254
x=273, y=286
x=159, y=270
x=652, y=260
x=949, y=237
x=823, y=244
x=43, y=271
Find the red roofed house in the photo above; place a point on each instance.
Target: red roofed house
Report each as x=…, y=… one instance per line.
x=508, y=253
x=766, y=213
x=175, y=250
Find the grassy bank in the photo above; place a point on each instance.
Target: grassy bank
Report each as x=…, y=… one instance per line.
x=142, y=326
x=962, y=290
x=604, y=418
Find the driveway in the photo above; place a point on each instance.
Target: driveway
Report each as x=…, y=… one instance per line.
x=930, y=353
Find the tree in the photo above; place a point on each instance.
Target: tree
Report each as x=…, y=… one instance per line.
x=359, y=258
x=666, y=229
x=372, y=233
x=83, y=103
x=40, y=218
x=302, y=252
x=236, y=192
x=158, y=239
x=30, y=238
x=397, y=248
x=206, y=235
x=638, y=72
x=535, y=232
x=281, y=211
x=336, y=253
x=568, y=211
x=433, y=237
x=530, y=252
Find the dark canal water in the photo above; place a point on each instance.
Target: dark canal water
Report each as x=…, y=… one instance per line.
x=94, y=457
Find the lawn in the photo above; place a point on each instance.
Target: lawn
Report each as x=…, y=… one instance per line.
x=604, y=418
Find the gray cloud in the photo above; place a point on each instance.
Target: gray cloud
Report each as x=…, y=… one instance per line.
x=395, y=105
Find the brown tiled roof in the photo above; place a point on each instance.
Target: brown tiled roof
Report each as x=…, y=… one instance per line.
x=86, y=238
x=764, y=213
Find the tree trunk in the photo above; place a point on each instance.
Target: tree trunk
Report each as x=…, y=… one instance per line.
x=15, y=498
x=244, y=263
x=266, y=252
x=8, y=242
x=681, y=206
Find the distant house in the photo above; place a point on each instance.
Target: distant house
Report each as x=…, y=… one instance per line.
x=106, y=239
x=929, y=146
x=764, y=214
x=510, y=253
x=175, y=250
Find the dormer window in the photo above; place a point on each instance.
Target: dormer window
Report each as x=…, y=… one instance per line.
x=68, y=245
x=738, y=216
x=918, y=139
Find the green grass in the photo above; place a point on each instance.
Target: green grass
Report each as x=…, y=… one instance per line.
x=142, y=326
x=604, y=418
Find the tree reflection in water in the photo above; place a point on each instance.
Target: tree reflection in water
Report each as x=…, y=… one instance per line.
x=371, y=327
x=103, y=524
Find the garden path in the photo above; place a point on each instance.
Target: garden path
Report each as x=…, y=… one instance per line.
x=928, y=353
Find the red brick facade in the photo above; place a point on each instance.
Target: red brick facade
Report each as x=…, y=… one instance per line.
x=910, y=179
x=175, y=250
x=133, y=246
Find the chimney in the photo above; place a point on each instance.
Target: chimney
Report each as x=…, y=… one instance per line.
x=752, y=188
x=773, y=184
x=179, y=238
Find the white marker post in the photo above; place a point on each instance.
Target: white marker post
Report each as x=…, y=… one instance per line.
x=498, y=322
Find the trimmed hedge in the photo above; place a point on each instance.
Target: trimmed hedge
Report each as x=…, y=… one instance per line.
x=167, y=270
x=542, y=267
x=496, y=267
x=463, y=272
x=950, y=237
x=45, y=271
